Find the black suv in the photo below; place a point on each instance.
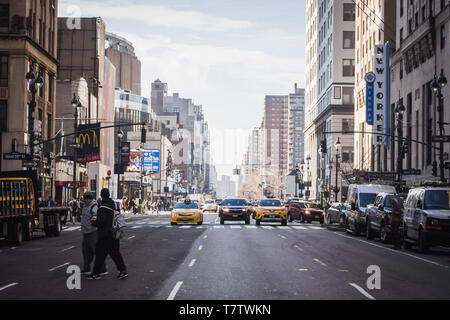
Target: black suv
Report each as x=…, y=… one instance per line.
x=234, y=209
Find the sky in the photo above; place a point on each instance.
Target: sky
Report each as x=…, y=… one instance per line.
x=226, y=55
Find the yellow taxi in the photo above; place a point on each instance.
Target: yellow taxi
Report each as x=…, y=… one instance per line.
x=186, y=212
x=271, y=210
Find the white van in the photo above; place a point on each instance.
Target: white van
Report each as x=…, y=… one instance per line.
x=359, y=196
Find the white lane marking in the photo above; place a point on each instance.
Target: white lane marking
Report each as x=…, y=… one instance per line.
x=303, y=270
x=343, y=270
x=55, y=268
x=185, y=227
x=235, y=227
x=67, y=249
x=282, y=237
x=12, y=248
x=362, y=291
x=8, y=286
x=191, y=264
x=394, y=251
x=298, y=248
x=136, y=227
x=284, y=228
x=268, y=227
x=299, y=228
x=200, y=248
x=205, y=237
x=72, y=229
x=174, y=291
x=219, y=227
x=315, y=228
x=320, y=262
x=251, y=227
x=131, y=237
x=200, y=227
x=154, y=222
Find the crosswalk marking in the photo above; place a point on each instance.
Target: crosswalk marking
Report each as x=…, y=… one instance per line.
x=315, y=228
x=251, y=227
x=299, y=228
x=235, y=227
x=72, y=228
x=284, y=228
x=219, y=227
x=185, y=227
x=155, y=224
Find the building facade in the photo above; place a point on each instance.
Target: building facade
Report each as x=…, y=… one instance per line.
x=296, y=126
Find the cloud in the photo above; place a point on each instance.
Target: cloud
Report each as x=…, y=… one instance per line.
x=152, y=15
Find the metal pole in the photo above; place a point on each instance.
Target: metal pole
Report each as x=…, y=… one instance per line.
x=336, y=190
x=119, y=167
x=441, y=133
x=75, y=125
x=400, y=148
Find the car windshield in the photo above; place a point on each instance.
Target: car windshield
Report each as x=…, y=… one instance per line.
x=302, y=205
x=234, y=202
x=209, y=201
x=367, y=198
x=270, y=203
x=182, y=205
x=399, y=201
x=312, y=206
x=437, y=199
x=218, y=201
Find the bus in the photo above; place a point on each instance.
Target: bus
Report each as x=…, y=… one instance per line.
x=19, y=212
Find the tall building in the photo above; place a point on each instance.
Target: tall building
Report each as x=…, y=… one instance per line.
x=276, y=124
x=329, y=102
x=375, y=25
x=422, y=52
x=158, y=94
x=296, y=126
x=28, y=41
x=128, y=67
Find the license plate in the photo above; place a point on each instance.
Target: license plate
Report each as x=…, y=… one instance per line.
x=272, y=216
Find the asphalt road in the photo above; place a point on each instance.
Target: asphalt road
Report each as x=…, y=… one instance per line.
x=232, y=262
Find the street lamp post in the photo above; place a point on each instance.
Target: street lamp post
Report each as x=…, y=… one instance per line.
x=297, y=169
x=308, y=174
x=337, y=145
x=437, y=85
x=75, y=104
x=399, y=110
x=119, y=167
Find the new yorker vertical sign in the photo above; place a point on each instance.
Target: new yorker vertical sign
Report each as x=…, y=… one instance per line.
x=381, y=94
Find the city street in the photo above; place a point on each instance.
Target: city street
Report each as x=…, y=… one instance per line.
x=232, y=261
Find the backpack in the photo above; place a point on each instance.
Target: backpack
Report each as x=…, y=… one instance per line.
x=118, y=223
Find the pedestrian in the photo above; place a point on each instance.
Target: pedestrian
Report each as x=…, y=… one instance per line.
x=90, y=235
x=132, y=206
x=74, y=207
x=50, y=202
x=396, y=219
x=107, y=244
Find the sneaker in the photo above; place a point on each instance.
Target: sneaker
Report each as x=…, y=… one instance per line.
x=104, y=273
x=94, y=277
x=122, y=275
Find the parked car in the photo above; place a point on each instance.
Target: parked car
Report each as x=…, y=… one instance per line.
x=336, y=213
x=379, y=216
x=234, y=209
x=271, y=210
x=426, y=218
x=359, y=197
x=305, y=211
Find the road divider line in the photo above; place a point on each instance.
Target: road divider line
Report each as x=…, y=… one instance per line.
x=67, y=249
x=320, y=262
x=174, y=291
x=282, y=237
x=55, y=268
x=303, y=270
x=8, y=286
x=191, y=264
x=361, y=290
x=394, y=251
x=200, y=248
x=205, y=237
x=298, y=248
x=131, y=237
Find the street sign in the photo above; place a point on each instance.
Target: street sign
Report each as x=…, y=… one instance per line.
x=412, y=172
x=75, y=145
x=15, y=156
x=29, y=164
x=380, y=175
x=441, y=139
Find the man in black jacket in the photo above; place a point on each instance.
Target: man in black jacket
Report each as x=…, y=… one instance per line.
x=107, y=244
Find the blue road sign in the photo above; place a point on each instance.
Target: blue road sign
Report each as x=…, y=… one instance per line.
x=151, y=160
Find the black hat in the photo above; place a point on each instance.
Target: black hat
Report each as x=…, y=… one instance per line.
x=88, y=195
x=104, y=193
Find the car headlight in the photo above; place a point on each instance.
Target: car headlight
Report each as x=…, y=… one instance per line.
x=226, y=210
x=434, y=222
x=244, y=210
x=307, y=213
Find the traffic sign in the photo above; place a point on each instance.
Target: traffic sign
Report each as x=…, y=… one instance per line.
x=75, y=145
x=15, y=156
x=441, y=139
x=412, y=172
x=29, y=164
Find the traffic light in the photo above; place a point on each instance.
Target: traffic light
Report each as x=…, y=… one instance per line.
x=435, y=169
x=143, y=135
x=406, y=147
x=323, y=146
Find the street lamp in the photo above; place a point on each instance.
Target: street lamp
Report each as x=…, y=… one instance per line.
x=399, y=110
x=297, y=169
x=75, y=104
x=120, y=135
x=337, y=145
x=437, y=84
x=35, y=82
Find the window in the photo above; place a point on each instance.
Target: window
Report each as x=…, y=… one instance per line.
x=401, y=35
x=347, y=95
x=402, y=7
x=348, y=67
x=50, y=87
x=349, y=39
x=49, y=125
x=4, y=18
x=4, y=115
x=347, y=124
x=337, y=92
x=443, y=36
x=3, y=71
x=349, y=12
x=401, y=69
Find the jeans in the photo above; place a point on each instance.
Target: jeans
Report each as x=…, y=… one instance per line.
x=88, y=247
x=108, y=246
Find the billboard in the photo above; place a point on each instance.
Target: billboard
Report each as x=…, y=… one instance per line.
x=151, y=160
x=134, y=164
x=89, y=140
x=381, y=94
